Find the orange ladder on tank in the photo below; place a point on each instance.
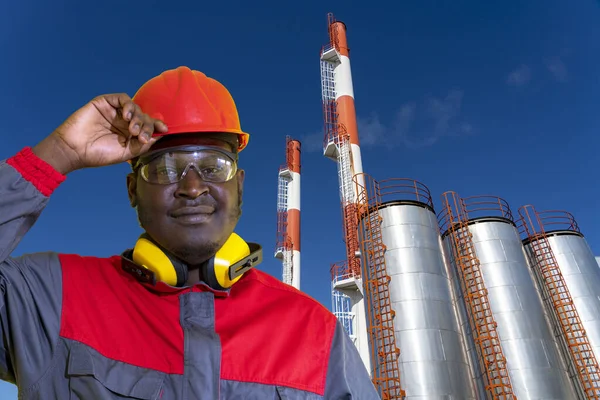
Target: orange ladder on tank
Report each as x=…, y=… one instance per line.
x=573, y=332
x=380, y=314
x=482, y=322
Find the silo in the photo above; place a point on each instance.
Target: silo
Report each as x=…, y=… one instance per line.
x=568, y=277
x=432, y=359
x=503, y=306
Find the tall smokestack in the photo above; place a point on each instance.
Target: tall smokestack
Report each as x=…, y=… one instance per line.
x=344, y=96
x=342, y=146
x=288, y=215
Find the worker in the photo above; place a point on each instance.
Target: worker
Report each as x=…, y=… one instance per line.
x=182, y=313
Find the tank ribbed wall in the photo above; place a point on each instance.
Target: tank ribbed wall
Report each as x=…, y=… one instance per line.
x=581, y=274
x=432, y=360
x=458, y=302
x=569, y=281
x=533, y=360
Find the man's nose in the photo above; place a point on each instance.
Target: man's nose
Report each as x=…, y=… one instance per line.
x=191, y=185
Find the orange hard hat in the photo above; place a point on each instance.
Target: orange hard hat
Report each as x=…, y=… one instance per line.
x=190, y=102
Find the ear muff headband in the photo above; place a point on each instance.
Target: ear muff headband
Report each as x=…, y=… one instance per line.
x=220, y=272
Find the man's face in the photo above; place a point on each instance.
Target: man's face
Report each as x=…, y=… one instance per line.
x=191, y=218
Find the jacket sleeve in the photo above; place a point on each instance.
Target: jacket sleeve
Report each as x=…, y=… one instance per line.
x=30, y=285
x=347, y=377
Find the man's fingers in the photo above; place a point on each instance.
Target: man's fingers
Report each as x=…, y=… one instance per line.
x=140, y=125
x=137, y=120
x=139, y=147
x=118, y=101
x=146, y=128
x=152, y=141
x=160, y=126
x=124, y=105
x=128, y=111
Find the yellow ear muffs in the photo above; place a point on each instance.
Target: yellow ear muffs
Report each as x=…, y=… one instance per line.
x=220, y=272
x=149, y=255
x=231, y=262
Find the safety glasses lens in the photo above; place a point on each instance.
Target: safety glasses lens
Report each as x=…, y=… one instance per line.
x=212, y=166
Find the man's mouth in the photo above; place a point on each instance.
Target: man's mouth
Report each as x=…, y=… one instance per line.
x=196, y=210
x=193, y=215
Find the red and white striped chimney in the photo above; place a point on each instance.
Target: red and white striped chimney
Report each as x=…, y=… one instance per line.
x=344, y=96
x=293, y=208
x=288, y=214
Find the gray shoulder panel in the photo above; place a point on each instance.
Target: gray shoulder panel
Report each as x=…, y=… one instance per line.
x=347, y=377
x=30, y=313
x=30, y=286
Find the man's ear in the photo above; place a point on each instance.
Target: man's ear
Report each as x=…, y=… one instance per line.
x=131, y=188
x=241, y=174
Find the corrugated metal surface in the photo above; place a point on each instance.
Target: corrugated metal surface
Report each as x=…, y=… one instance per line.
x=477, y=373
x=433, y=359
x=535, y=366
x=580, y=271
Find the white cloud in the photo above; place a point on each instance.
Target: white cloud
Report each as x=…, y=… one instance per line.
x=557, y=68
x=370, y=130
x=414, y=126
x=520, y=76
x=312, y=142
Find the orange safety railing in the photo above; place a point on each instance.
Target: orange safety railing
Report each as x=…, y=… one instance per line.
x=340, y=271
x=487, y=206
x=380, y=314
x=404, y=189
x=454, y=219
x=477, y=207
x=535, y=226
x=546, y=221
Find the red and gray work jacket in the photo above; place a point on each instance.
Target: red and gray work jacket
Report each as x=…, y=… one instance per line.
x=78, y=327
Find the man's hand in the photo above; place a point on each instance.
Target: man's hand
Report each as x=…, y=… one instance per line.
x=108, y=130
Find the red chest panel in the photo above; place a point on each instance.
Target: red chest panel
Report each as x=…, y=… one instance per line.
x=270, y=333
x=273, y=334
x=109, y=311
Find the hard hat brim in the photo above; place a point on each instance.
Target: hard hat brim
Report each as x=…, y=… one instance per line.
x=244, y=137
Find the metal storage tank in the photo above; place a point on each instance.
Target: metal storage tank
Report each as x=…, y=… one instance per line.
x=432, y=358
x=533, y=361
x=567, y=274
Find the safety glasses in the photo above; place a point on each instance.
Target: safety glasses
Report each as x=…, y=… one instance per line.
x=171, y=166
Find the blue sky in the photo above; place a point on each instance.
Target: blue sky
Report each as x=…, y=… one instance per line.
x=493, y=98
